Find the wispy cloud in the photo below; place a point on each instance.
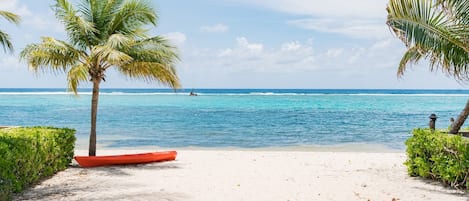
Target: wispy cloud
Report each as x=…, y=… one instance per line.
x=352, y=28
x=250, y=47
x=291, y=46
x=352, y=18
x=15, y=7
x=320, y=8
x=216, y=28
x=176, y=38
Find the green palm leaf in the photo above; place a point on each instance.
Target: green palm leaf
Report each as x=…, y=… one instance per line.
x=151, y=71
x=412, y=55
x=437, y=36
x=50, y=55
x=76, y=75
x=81, y=32
x=130, y=17
x=5, y=40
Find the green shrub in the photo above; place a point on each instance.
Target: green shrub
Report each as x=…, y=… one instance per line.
x=439, y=156
x=30, y=154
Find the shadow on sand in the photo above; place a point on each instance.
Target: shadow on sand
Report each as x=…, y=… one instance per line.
x=443, y=190
x=68, y=190
x=121, y=170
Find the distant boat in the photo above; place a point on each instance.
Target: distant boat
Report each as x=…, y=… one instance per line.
x=94, y=161
x=192, y=93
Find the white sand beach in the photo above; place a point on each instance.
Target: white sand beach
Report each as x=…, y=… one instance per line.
x=206, y=175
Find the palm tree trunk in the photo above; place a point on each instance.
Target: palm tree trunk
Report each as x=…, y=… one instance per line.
x=460, y=120
x=94, y=114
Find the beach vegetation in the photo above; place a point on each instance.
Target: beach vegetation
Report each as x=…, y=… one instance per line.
x=434, y=30
x=105, y=35
x=5, y=40
x=32, y=154
x=439, y=156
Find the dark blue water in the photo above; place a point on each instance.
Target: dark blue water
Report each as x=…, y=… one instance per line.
x=250, y=91
x=247, y=118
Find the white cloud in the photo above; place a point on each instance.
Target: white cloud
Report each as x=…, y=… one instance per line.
x=251, y=47
x=334, y=52
x=291, y=46
x=217, y=28
x=15, y=7
x=225, y=52
x=176, y=38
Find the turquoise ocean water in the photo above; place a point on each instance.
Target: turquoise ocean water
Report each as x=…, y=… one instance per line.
x=241, y=118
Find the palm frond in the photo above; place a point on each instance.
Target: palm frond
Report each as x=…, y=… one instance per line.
x=151, y=71
x=457, y=9
x=411, y=56
x=131, y=16
x=51, y=55
x=100, y=14
x=140, y=33
x=155, y=49
x=5, y=41
x=92, y=11
x=11, y=17
x=76, y=75
x=420, y=23
x=154, y=59
x=119, y=41
x=80, y=31
x=109, y=56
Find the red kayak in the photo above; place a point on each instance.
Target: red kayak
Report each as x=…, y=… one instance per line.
x=93, y=161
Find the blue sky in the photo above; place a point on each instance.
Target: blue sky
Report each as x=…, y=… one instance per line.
x=250, y=44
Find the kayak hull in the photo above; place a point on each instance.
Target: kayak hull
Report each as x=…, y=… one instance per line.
x=95, y=161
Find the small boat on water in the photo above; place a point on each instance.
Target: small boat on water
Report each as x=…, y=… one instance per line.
x=94, y=161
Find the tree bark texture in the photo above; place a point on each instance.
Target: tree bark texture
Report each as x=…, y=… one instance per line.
x=94, y=114
x=460, y=120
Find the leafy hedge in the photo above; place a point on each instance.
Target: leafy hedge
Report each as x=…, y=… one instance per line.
x=439, y=156
x=30, y=154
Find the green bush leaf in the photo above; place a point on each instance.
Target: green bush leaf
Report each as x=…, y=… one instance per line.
x=30, y=154
x=439, y=156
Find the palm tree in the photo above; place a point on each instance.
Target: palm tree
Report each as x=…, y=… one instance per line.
x=104, y=35
x=4, y=37
x=436, y=30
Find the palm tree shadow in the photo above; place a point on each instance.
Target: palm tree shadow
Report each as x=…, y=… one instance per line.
x=48, y=192
x=67, y=189
x=121, y=170
x=443, y=190
x=65, y=192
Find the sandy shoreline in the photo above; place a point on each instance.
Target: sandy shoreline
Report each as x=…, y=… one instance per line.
x=246, y=175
